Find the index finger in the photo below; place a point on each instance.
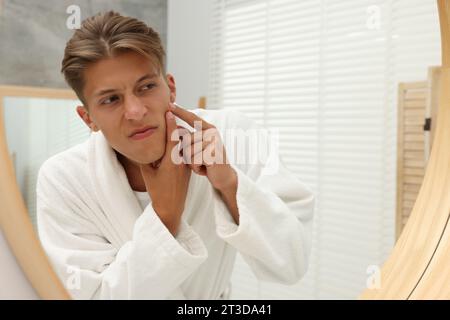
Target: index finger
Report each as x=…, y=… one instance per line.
x=172, y=133
x=189, y=117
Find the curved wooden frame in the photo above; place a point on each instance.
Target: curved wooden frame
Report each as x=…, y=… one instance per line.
x=418, y=266
x=416, y=269
x=14, y=220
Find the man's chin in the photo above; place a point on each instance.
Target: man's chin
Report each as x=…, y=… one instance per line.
x=150, y=162
x=154, y=161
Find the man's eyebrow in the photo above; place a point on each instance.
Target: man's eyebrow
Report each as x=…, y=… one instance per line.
x=102, y=92
x=145, y=77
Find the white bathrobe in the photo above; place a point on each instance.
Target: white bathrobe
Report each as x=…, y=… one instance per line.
x=104, y=246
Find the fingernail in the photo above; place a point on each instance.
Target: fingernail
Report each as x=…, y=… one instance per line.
x=170, y=115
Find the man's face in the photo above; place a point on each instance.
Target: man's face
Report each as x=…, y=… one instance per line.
x=125, y=94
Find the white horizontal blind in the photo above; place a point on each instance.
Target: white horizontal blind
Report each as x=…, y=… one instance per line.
x=325, y=74
x=46, y=127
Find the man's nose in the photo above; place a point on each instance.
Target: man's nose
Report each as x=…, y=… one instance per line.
x=135, y=109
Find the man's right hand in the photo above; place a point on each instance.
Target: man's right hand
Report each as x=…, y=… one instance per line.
x=168, y=183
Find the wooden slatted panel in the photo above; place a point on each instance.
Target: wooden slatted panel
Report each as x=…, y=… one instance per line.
x=411, y=156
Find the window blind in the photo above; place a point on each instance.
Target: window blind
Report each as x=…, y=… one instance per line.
x=325, y=75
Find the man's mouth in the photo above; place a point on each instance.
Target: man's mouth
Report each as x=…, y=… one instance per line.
x=143, y=133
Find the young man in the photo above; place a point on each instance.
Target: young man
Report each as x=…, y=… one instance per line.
x=121, y=217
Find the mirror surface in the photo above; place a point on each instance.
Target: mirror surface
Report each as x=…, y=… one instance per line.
x=328, y=79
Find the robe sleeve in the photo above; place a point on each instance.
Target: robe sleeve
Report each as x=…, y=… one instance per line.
x=275, y=211
x=152, y=265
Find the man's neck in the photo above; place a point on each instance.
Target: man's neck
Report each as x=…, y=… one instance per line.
x=133, y=173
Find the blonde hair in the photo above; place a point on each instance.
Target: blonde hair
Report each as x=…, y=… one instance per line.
x=103, y=36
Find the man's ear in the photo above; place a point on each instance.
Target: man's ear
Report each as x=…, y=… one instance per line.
x=172, y=87
x=84, y=115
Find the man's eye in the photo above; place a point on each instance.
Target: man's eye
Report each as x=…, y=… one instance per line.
x=110, y=100
x=148, y=87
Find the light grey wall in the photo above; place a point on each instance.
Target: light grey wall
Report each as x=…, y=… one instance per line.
x=188, y=41
x=33, y=35
x=13, y=282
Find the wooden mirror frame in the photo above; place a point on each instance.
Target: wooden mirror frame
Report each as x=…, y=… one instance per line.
x=416, y=269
